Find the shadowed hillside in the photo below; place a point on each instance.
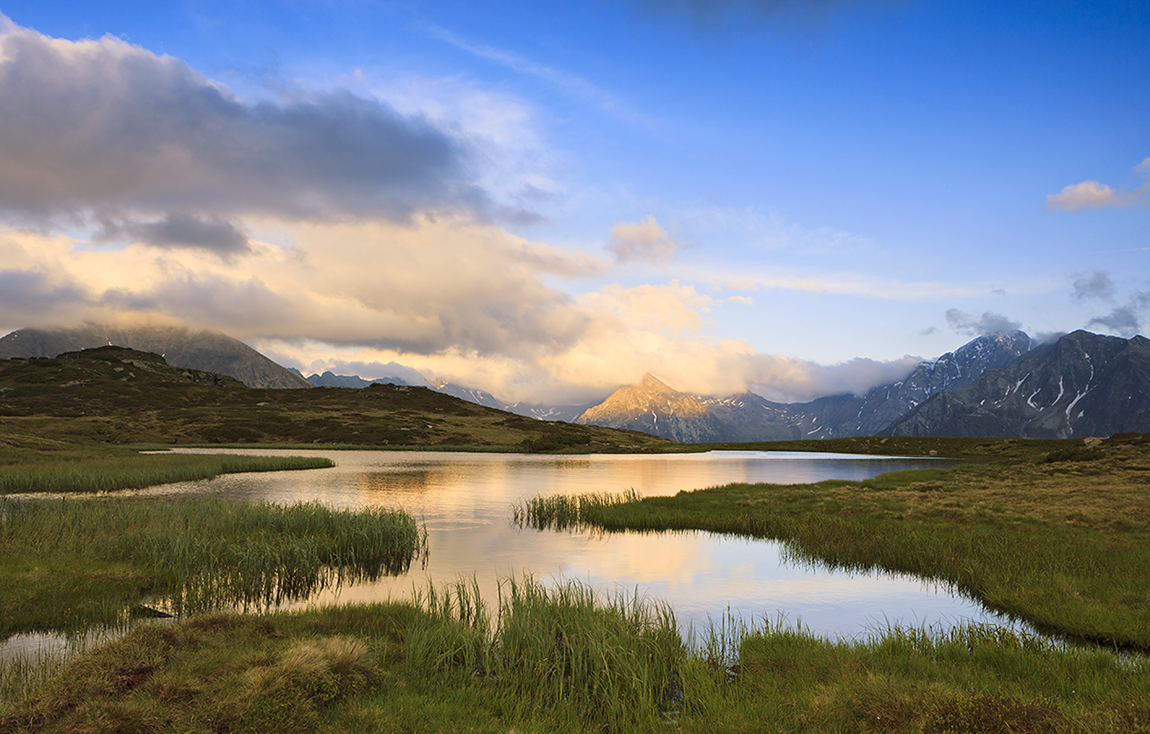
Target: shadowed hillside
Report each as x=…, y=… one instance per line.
x=121, y=396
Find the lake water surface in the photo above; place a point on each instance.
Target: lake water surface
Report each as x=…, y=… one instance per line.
x=465, y=501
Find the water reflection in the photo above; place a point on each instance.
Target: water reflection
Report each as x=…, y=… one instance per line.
x=465, y=500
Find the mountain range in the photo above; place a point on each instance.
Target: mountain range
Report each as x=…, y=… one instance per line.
x=654, y=407
x=995, y=385
x=1081, y=385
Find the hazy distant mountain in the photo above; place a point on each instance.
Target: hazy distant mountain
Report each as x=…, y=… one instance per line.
x=654, y=408
x=328, y=379
x=1081, y=385
x=207, y=351
x=566, y=413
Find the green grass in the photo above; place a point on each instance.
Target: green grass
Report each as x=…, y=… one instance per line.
x=68, y=563
x=88, y=473
x=32, y=463
x=559, y=653
x=558, y=660
x=1064, y=545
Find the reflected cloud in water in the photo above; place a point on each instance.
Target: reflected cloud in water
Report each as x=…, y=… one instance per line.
x=465, y=501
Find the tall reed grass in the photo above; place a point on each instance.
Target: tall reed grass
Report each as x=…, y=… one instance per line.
x=614, y=661
x=567, y=511
x=566, y=660
x=204, y=552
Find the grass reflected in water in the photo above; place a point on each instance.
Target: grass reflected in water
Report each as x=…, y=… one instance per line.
x=73, y=562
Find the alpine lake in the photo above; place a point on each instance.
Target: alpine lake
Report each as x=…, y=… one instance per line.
x=465, y=501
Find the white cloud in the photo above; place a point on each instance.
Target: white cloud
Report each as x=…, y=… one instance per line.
x=986, y=323
x=1085, y=195
x=646, y=240
x=1096, y=195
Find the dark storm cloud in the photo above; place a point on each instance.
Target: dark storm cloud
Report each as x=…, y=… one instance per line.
x=182, y=230
x=31, y=291
x=106, y=127
x=987, y=323
x=1095, y=284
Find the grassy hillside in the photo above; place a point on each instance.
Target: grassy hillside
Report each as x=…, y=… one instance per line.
x=119, y=396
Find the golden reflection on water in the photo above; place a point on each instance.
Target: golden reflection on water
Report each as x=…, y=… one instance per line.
x=465, y=501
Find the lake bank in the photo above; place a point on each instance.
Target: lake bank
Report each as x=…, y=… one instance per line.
x=447, y=666
x=1064, y=543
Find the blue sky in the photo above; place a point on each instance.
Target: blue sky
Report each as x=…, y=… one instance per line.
x=548, y=200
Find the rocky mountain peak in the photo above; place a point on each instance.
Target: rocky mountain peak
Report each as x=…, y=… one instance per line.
x=653, y=407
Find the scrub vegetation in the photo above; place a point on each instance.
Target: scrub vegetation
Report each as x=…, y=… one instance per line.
x=1062, y=541
x=558, y=660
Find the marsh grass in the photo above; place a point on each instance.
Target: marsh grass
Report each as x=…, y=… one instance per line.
x=564, y=660
x=1065, y=545
x=72, y=562
x=566, y=511
x=613, y=661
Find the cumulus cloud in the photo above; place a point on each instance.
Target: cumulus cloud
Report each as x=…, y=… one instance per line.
x=793, y=380
x=102, y=126
x=1095, y=284
x=986, y=324
x=1096, y=195
x=423, y=287
x=646, y=240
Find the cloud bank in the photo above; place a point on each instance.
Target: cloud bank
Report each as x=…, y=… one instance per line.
x=105, y=128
